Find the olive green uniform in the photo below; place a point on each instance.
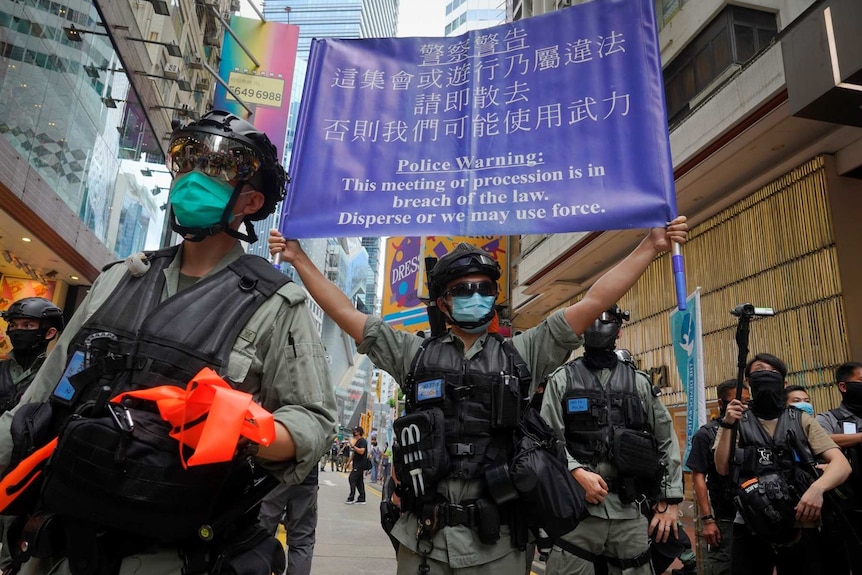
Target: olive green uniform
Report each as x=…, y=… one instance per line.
x=543, y=348
x=614, y=528
x=277, y=357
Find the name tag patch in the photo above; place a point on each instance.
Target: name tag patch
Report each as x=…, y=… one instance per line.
x=64, y=389
x=577, y=405
x=431, y=389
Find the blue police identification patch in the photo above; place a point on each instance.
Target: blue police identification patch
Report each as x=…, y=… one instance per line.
x=64, y=389
x=431, y=389
x=577, y=405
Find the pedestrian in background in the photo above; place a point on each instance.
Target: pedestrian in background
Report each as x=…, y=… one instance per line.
x=359, y=461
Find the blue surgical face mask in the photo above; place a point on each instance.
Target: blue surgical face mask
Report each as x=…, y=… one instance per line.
x=804, y=406
x=472, y=308
x=198, y=200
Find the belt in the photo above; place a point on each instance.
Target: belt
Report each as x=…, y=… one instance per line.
x=451, y=515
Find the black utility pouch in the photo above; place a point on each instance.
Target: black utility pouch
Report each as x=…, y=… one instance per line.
x=488, y=521
x=505, y=403
x=635, y=454
x=419, y=453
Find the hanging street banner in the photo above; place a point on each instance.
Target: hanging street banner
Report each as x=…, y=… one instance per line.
x=404, y=265
x=554, y=123
x=686, y=332
x=265, y=89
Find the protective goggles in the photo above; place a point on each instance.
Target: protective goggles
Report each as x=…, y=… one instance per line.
x=215, y=156
x=466, y=289
x=473, y=259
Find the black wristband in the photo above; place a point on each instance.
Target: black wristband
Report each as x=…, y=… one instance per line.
x=709, y=517
x=722, y=423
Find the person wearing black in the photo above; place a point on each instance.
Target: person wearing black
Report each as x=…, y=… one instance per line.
x=778, y=504
x=711, y=490
x=295, y=507
x=842, y=552
x=360, y=464
x=31, y=323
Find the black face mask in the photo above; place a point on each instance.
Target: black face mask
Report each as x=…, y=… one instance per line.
x=599, y=358
x=27, y=341
x=767, y=394
x=853, y=398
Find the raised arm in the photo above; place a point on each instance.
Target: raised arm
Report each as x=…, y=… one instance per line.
x=616, y=282
x=332, y=300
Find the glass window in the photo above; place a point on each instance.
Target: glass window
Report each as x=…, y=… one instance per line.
x=745, y=42
x=703, y=68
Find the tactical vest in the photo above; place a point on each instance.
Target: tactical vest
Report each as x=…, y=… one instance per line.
x=758, y=453
x=853, y=454
x=481, y=399
x=591, y=412
x=10, y=394
x=136, y=341
x=718, y=486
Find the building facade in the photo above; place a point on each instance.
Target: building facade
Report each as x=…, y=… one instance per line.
x=88, y=94
x=465, y=15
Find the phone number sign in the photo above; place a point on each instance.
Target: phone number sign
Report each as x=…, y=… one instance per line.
x=258, y=90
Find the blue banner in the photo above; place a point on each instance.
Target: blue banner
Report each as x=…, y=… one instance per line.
x=687, y=336
x=554, y=123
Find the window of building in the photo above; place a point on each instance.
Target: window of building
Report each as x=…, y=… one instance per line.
x=733, y=38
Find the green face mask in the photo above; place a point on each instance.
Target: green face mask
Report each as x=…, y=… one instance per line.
x=198, y=200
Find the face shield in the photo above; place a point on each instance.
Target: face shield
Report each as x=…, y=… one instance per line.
x=215, y=156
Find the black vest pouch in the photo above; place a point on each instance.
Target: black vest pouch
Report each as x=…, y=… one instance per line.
x=505, y=402
x=419, y=453
x=635, y=454
x=123, y=471
x=767, y=505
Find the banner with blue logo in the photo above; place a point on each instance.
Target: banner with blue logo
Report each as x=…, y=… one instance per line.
x=554, y=123
x=686, y=332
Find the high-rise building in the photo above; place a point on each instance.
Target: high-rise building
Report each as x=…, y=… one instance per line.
x=465, y=15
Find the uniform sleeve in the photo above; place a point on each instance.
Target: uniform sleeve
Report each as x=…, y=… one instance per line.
x=547, y=346
x=660, y=421
x=390, y=349
x=552, y=409
x=295, y=386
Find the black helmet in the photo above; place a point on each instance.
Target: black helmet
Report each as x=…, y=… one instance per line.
x=35, y=308
x=602, y=334
x=463, y=260
x=270, y=178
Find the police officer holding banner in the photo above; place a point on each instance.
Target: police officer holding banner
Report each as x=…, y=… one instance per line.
x=778, y=495
x=464, y=388
x=622, y=450
x=117, y=497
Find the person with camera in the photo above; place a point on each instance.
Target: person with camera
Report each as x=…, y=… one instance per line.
x=622, y=450
x=464, y=388
x=713, y=491
x=843, y=548
x=121, y=494
x=778, y=500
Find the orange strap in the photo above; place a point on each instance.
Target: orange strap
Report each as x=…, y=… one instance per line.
x=24, y=474
x=209, y=416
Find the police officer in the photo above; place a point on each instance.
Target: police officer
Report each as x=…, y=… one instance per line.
x=157, y=320
x=711, y=490
x=842, y=548
x=295, y=507
x=778, y=514
x=31, y=323
x=462, y=388
x=622, y=450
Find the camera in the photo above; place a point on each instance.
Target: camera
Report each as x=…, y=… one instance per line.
x=748, y=310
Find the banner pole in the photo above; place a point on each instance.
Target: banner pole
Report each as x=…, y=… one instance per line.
x=679, y=276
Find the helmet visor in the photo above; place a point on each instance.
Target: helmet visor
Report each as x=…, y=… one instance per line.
x=215, y=156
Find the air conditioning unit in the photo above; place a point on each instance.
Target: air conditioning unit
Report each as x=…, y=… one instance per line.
x=172, y=71
x=195, y=63
x=211, y=40
x=202, y=84
x=234, y=5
